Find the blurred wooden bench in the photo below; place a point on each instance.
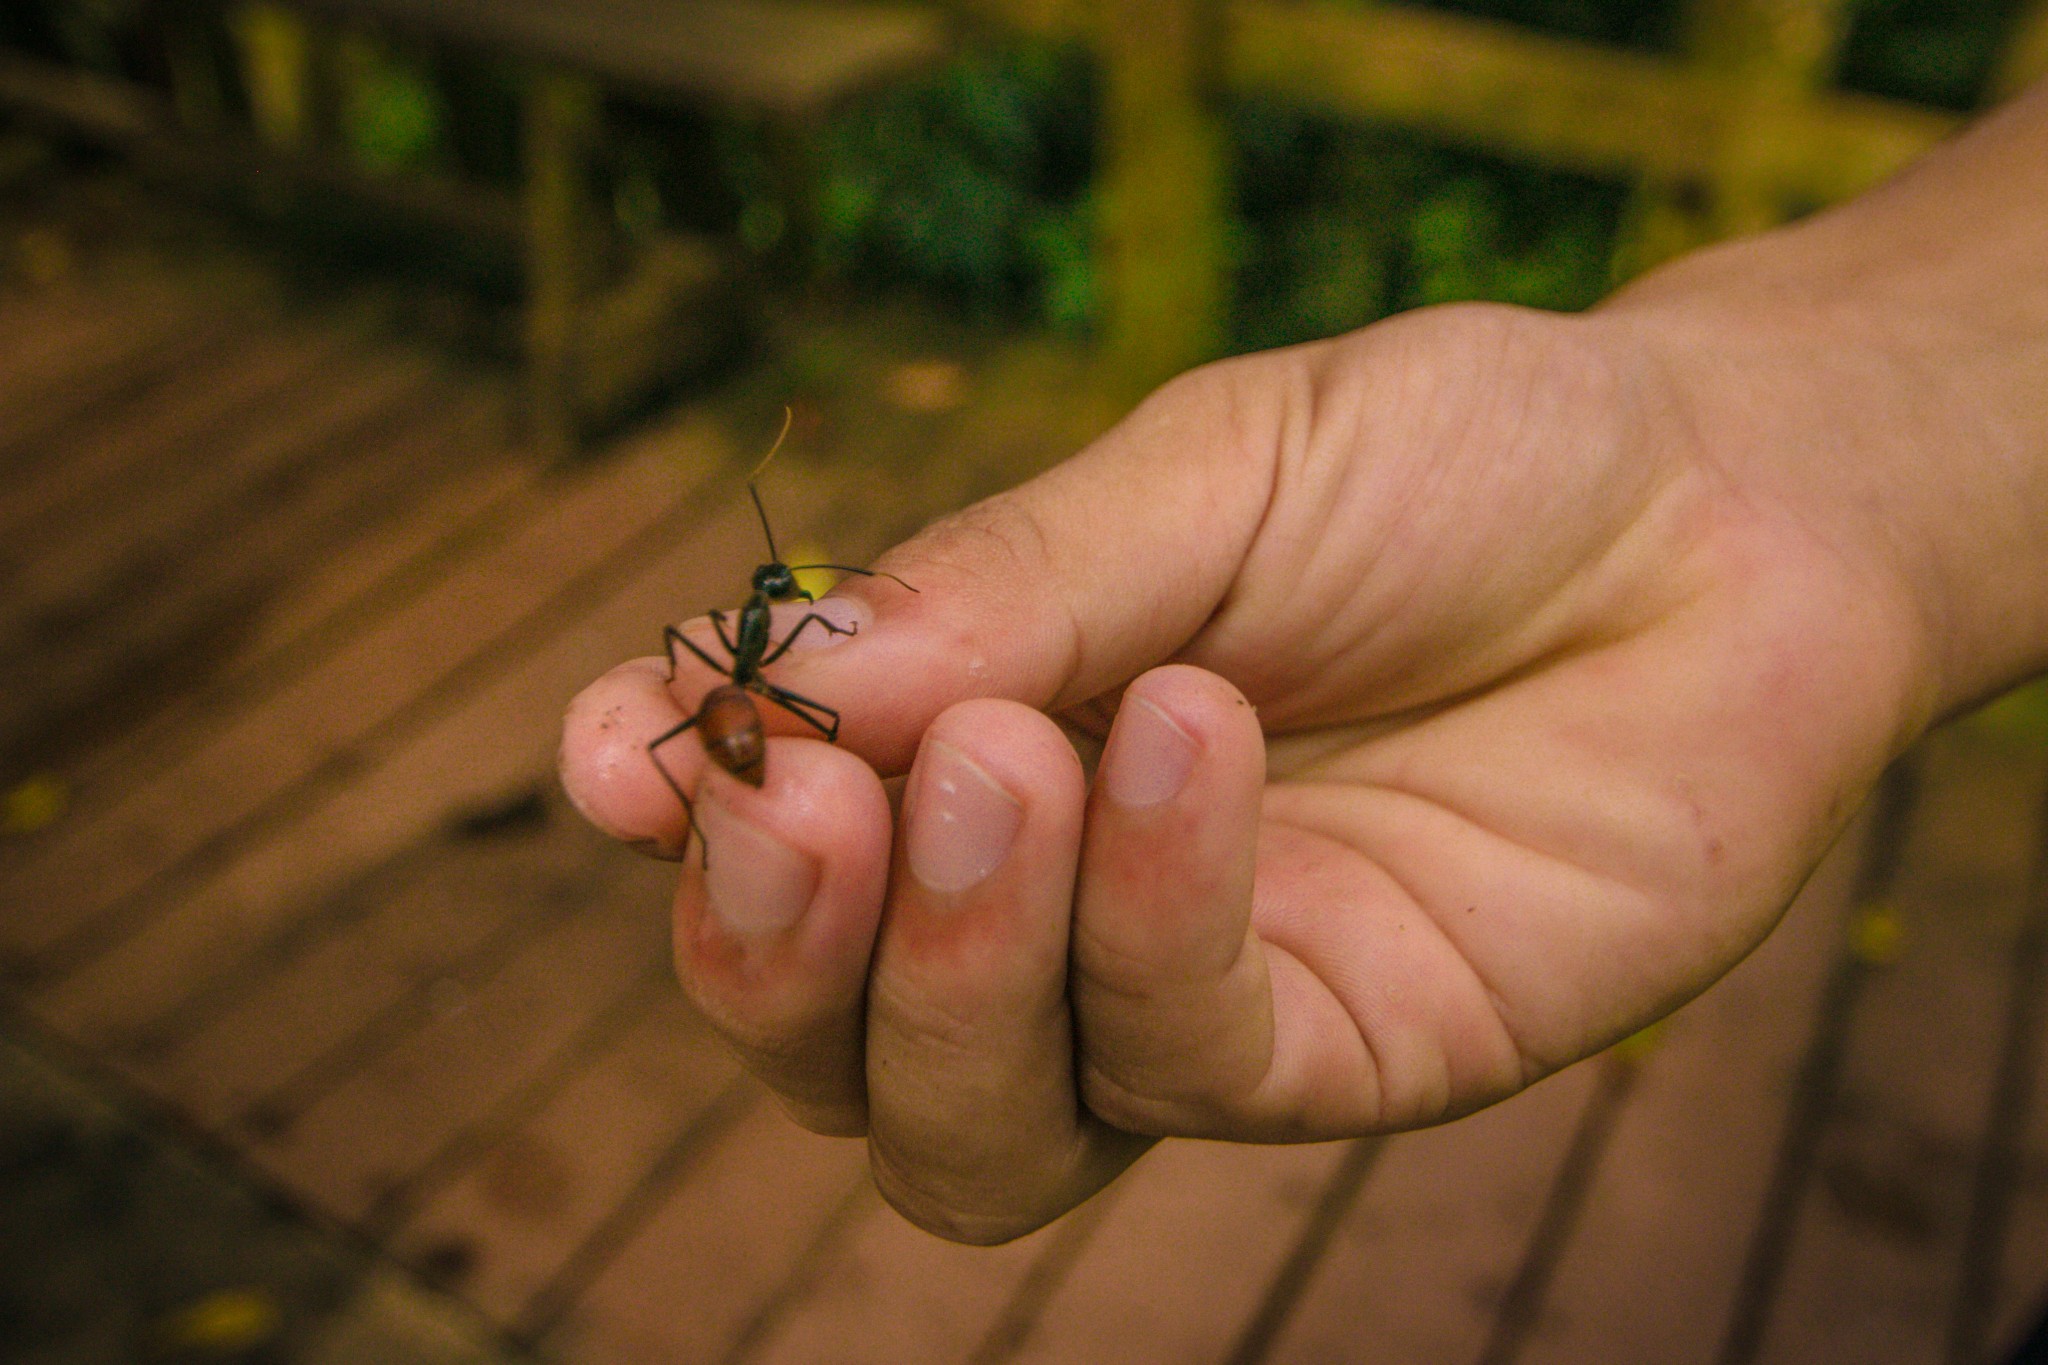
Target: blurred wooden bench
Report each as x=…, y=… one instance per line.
x=596, y=335
x=590, y=344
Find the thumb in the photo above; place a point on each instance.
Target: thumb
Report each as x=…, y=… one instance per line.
x=1064, y=587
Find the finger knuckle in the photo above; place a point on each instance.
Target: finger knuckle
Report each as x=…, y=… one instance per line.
x=926, y=1025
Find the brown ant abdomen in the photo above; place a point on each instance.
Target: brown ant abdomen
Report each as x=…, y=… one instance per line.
x=731, y=729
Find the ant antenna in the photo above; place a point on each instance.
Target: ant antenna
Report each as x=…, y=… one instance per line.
x=788, y=417
x=848, y=568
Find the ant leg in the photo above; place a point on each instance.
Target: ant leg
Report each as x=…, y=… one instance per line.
x=718, y=624
x=790, y=638
x=799, y=706
x=671, y=637
x=689, y=806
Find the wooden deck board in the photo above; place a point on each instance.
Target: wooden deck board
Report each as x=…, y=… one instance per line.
x=505, y=1229
x=64, y=344
x=364, y=962
x=1418, y=1266
x=1179, y=1263
x=54, y=483
x=112, y=547
x=113, y=657
x=718, y=1250
x=895, y=1292
x=1873, y=1271
x=362, y=1139
x=1689, y=1164
x=477, y=493
x=171, y=817
x=315, y=617
x=92, y=495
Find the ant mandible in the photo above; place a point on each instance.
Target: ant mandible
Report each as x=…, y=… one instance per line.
x=727, y=720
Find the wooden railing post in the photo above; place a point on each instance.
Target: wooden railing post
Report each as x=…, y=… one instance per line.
x=1161, y=191
x=1760, y=56
x=2026, y=52
x=561, y=114
x=276, y=71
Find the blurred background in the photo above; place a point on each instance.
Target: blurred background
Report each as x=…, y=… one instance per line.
x=374, y=373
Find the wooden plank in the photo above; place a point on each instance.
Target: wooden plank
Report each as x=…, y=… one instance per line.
x=489, y=725
x=120, y=656
x=1179, y=1264
x=1656, y=1259
x=1874, y=1269
x=365, y=963
x=894, y=1292
x=485, y=477
x=105, y=396
x=2004, y=1277
x=98, y=880
x=493, y=489
x=366, y=1135
x=65, y=341
x=191, y=411
x=503, y=1231
x=47, y=327
x=720, y=1248
x=1766, y=54
x=169, y=511
x=1419, y=1265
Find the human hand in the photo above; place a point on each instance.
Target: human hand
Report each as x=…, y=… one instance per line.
x=1561, y=702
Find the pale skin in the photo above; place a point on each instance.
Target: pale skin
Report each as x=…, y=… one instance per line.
x=1477, y=688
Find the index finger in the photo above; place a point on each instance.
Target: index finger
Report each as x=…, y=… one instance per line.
x=1059, y=589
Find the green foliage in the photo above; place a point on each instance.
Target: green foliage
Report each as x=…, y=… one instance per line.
x=2019, y=718
x=1494, y=234
x=392, y=116
x=1340, y=224
x=972, y=182
x=1937, y=52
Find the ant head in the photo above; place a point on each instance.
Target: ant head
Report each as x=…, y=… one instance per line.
x=778, y=583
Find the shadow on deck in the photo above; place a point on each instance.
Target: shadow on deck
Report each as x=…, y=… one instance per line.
x=288, y=623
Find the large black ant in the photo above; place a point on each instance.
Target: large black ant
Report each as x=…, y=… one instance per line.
x=727, y=720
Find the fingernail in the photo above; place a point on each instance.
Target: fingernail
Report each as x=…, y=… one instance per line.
x=1149, y=756
x=756, y=884
x=962, y=824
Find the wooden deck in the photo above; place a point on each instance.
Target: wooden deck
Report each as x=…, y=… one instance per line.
x=287, y=623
